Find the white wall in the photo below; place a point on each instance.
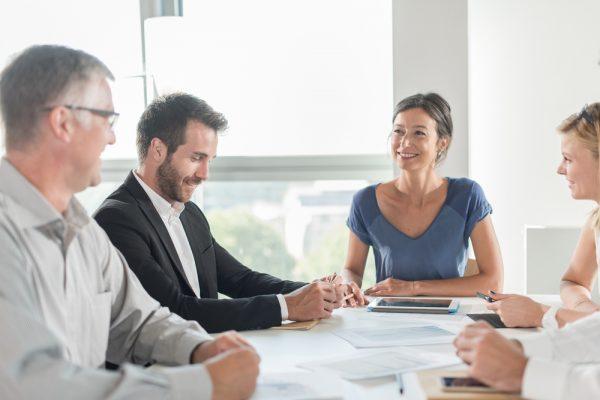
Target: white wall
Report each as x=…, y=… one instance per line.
x=430, y=54
x=531, y=64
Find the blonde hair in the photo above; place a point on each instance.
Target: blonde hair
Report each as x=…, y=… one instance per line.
x=585, y=127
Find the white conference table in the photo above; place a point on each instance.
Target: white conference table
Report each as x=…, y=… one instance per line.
x=281, y=351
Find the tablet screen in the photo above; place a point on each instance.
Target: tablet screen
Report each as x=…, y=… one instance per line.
x=426, y=303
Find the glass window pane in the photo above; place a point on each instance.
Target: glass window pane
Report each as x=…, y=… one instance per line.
x=293, y=230
x=108, y=29
x=293, y=78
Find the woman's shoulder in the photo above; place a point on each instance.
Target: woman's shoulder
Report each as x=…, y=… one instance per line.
x=465, y=194
x=465, y=186
x=365, y=195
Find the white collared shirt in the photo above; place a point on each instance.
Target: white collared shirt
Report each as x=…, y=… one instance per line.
x=554, y=370
x=170, y=217
x=169, y=213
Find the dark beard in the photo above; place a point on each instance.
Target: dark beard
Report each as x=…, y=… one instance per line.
x=168, y=181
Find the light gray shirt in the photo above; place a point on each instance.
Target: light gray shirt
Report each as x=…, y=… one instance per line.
x=68, y=302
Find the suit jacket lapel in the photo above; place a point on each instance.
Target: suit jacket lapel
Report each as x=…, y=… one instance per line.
x=132, y=185
x=192, y=233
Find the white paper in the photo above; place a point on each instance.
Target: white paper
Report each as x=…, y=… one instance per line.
x=399, y=335
x=298, y=386
x=367, y=365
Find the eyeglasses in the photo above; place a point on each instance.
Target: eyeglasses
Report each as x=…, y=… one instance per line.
x=111, y=116
x=585, y=115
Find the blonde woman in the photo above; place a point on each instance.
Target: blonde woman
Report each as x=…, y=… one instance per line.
x=420, y=223
x=580, y=167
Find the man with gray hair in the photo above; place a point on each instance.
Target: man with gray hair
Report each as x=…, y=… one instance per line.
x=68, y=301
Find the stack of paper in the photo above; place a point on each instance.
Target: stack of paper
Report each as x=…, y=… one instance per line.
x=375, y=364
x=401, y=335
x=298, y=386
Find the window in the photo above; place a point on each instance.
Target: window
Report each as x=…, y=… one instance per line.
x=290, y=229
x=108, y=29
x=309, y=104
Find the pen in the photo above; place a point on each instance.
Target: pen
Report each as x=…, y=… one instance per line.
x=400, y=383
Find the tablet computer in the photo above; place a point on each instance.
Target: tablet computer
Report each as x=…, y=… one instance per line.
x=414, y=305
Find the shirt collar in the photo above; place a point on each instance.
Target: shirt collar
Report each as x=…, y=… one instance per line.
x=164, y=208
x=32, y=208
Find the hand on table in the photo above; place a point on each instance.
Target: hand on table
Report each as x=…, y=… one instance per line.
x=392, y=287
x=492, y=358
x=348, y=294
x=223, y=342
x=233, y=373
x=232, y=364
x=313, y=301
x=517, y=311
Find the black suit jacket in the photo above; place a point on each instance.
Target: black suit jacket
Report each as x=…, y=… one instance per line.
x=136, y=229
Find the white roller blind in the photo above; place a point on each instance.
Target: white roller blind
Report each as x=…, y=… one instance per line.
x=293, y=77
x=108, y=29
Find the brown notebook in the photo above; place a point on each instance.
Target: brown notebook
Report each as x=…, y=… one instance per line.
x=297, y=326
x=430, y=382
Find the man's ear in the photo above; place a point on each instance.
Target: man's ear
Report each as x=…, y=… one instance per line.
x=157, y=150
x=62, y=124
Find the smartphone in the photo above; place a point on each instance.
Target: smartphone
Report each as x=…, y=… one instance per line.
x=485, y=297
x=456, y=384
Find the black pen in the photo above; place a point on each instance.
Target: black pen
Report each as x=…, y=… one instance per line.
x=485, y=297
x=400, y=383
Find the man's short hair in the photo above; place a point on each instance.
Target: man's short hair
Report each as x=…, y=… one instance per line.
x=35, y=79
x=166, y=118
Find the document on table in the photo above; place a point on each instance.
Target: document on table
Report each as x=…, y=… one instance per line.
x=375, y=364
x=298, y=386
x=400, y=335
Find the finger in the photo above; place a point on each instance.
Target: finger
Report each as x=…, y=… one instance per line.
x=495, y=306
x=329, y=296
x=373, y=288
x=240, y=340
x=500, y=296
x=328, y=307
x=325, y=314
x=380, y=292
x=466, y=355
x=358, y=295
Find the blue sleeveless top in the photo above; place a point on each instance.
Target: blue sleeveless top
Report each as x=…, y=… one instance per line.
x=439, y=253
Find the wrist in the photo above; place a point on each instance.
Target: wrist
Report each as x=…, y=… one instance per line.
x=549, y=320
x=542, y=309
x=197, y=355
x=289, y=302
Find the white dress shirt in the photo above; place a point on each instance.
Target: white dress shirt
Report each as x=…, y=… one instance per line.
x=169, y=213
x=555, y=369
x=170, y=217
x=68, y=302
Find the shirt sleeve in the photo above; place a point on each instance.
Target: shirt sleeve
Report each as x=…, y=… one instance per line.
x=141, y=331
x=477, y=210
x=283, y=306
x=32, y=358
x=356, y=219
x=576, y=342
x=552, y=380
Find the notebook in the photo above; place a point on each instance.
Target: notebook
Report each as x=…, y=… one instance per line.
x=297, y=326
